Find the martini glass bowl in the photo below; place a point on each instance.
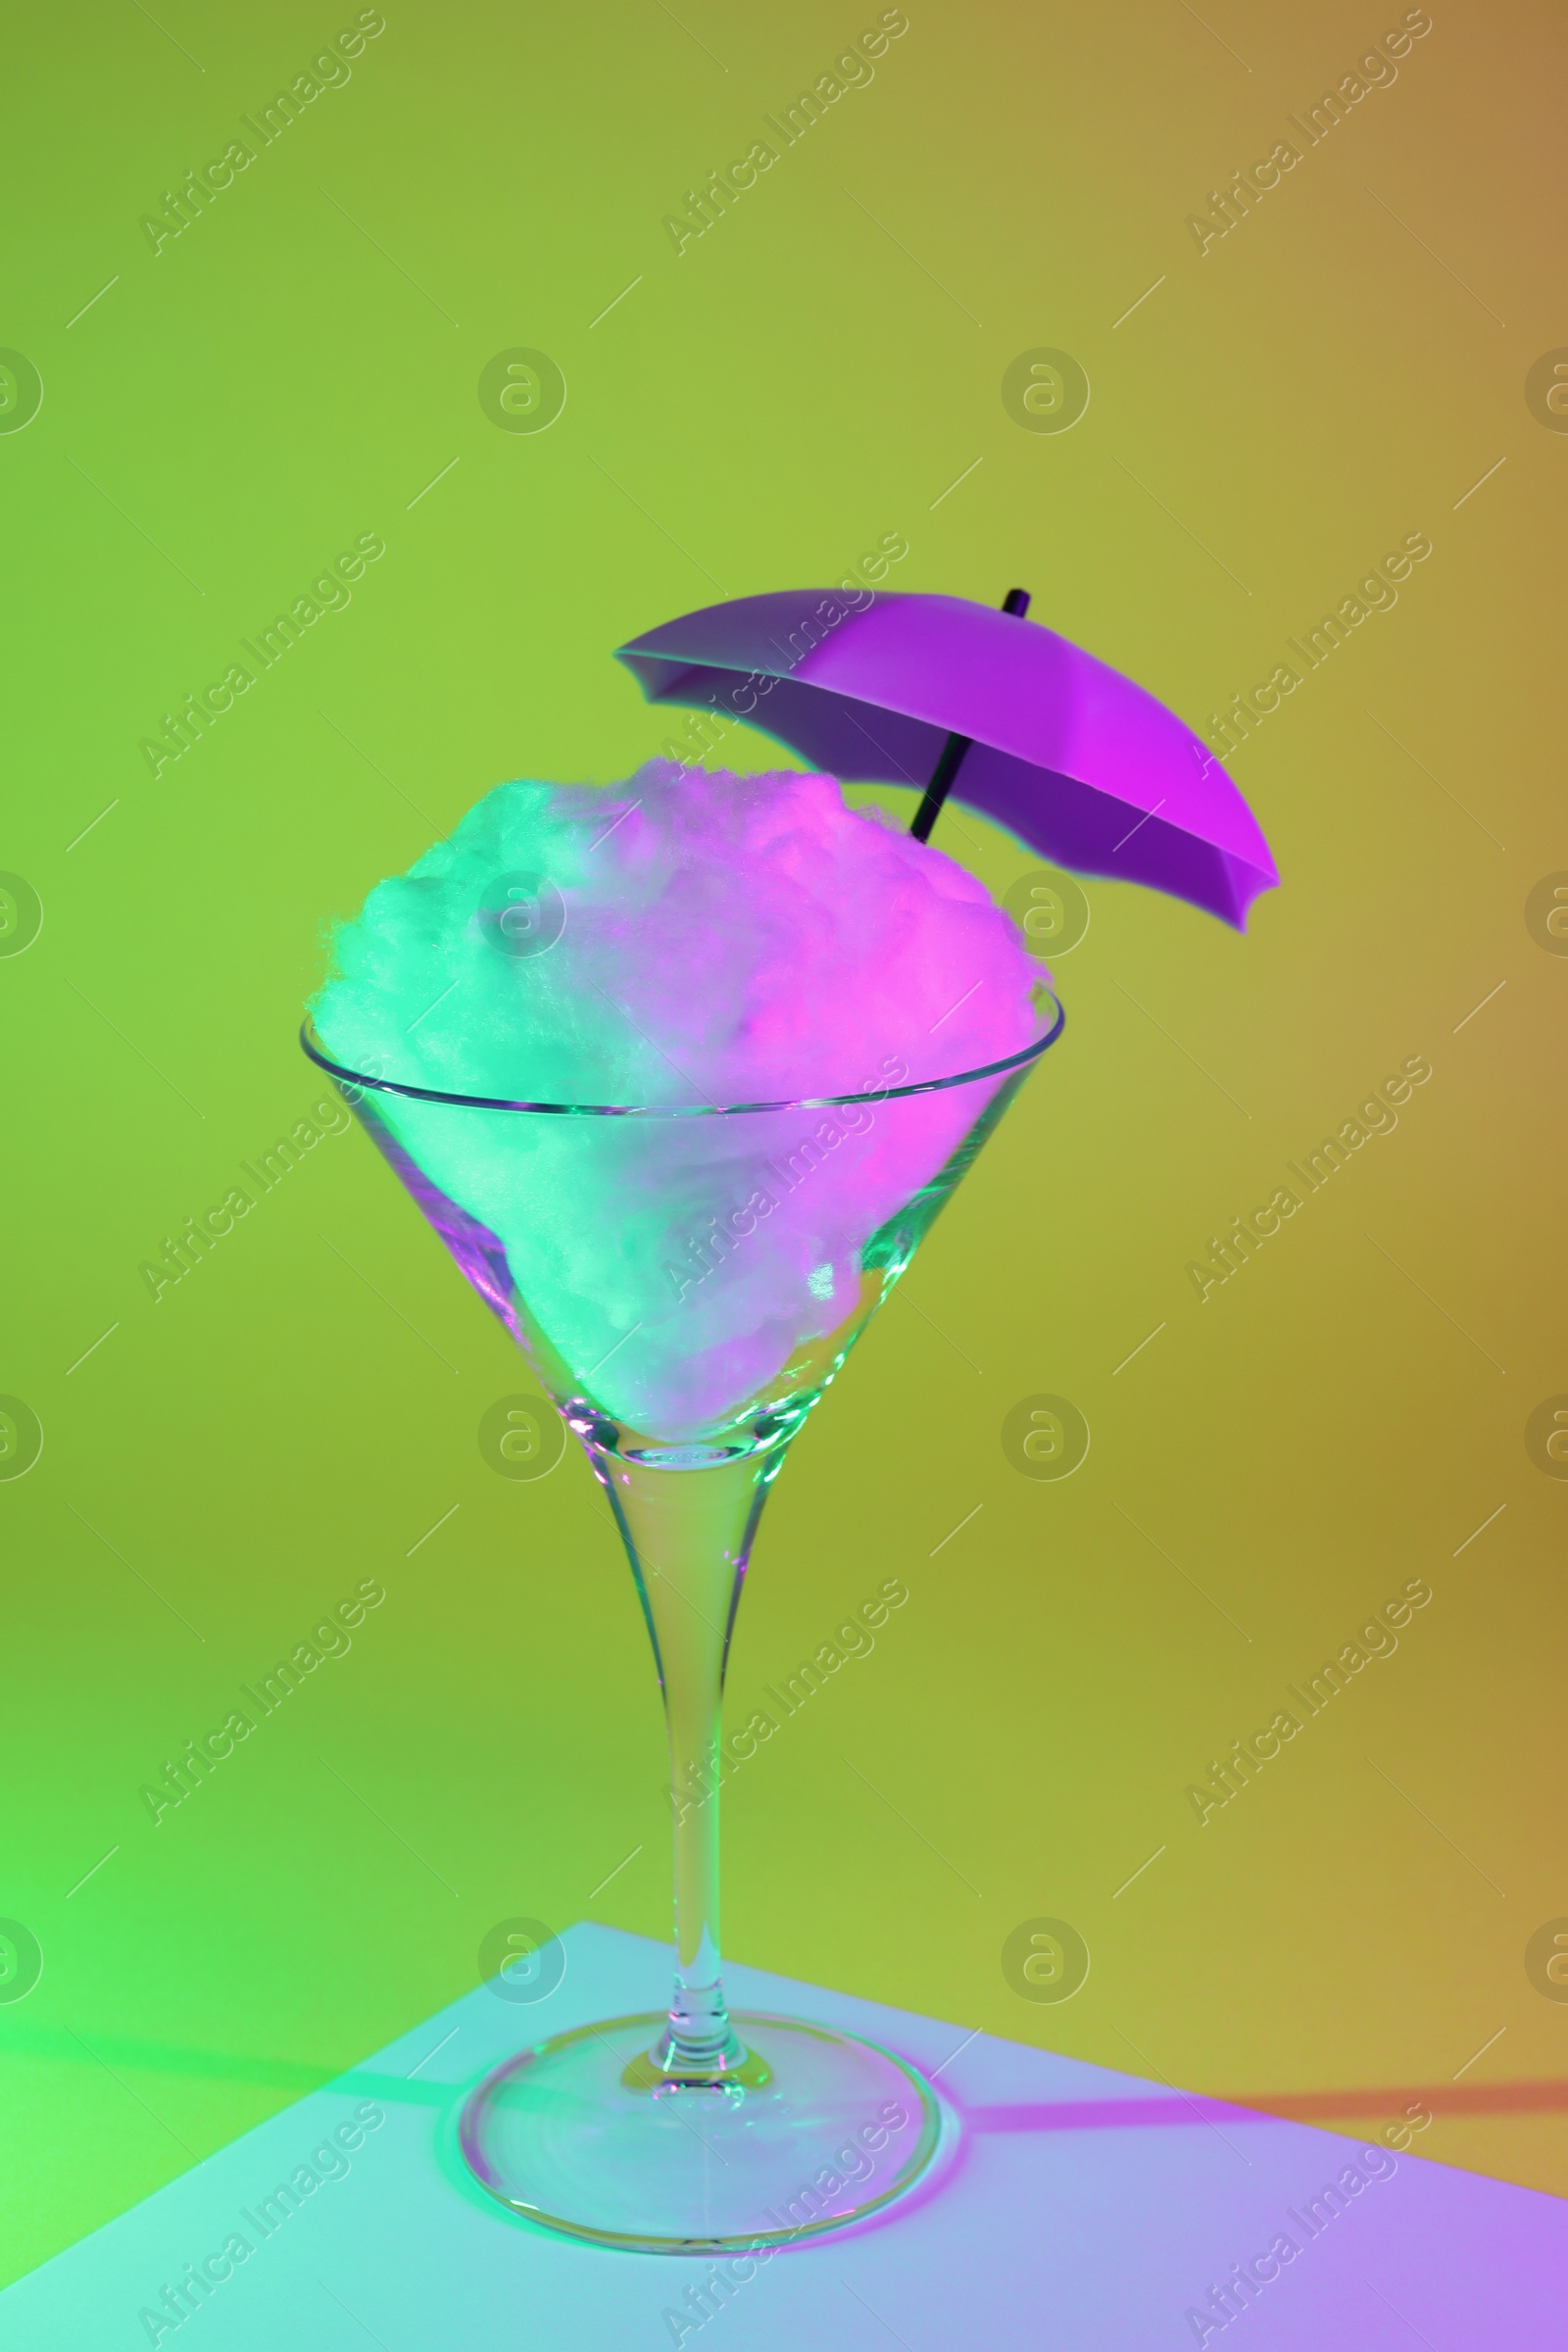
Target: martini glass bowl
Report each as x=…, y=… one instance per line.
x=684, y=1346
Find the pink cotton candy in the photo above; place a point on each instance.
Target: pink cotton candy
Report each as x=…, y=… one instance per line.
x=684, y=938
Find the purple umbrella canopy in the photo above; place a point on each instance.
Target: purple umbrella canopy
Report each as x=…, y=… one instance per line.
x=1072, y=758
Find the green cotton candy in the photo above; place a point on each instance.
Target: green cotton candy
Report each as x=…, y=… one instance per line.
x=682, y=939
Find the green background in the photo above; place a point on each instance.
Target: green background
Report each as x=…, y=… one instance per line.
x=816, y=370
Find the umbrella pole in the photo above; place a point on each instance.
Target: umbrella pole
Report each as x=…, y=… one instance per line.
x=950, y=758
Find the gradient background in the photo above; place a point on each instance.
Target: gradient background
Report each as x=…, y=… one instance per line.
x=295, y=370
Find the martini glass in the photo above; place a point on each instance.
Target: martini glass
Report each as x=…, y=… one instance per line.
x=695, y=2131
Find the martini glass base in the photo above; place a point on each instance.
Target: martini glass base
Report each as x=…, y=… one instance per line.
x=813, y=2131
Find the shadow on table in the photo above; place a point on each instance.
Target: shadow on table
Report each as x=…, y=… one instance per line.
x=1286, y=2106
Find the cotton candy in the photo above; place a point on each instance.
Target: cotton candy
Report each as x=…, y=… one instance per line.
x=686, y=938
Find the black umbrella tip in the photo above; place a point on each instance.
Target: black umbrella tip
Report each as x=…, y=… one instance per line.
x=1016, y=601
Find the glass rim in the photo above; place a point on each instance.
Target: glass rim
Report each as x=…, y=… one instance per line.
x=1031, y=1052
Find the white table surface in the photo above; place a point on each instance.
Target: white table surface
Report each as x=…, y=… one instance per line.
x=1077, y=2210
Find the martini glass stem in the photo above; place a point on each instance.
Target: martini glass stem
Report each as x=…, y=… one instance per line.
x=688, y=1535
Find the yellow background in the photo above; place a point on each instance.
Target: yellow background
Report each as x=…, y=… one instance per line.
x=813, y=372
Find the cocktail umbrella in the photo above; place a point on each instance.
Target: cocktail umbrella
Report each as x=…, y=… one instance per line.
x=1071, y=757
